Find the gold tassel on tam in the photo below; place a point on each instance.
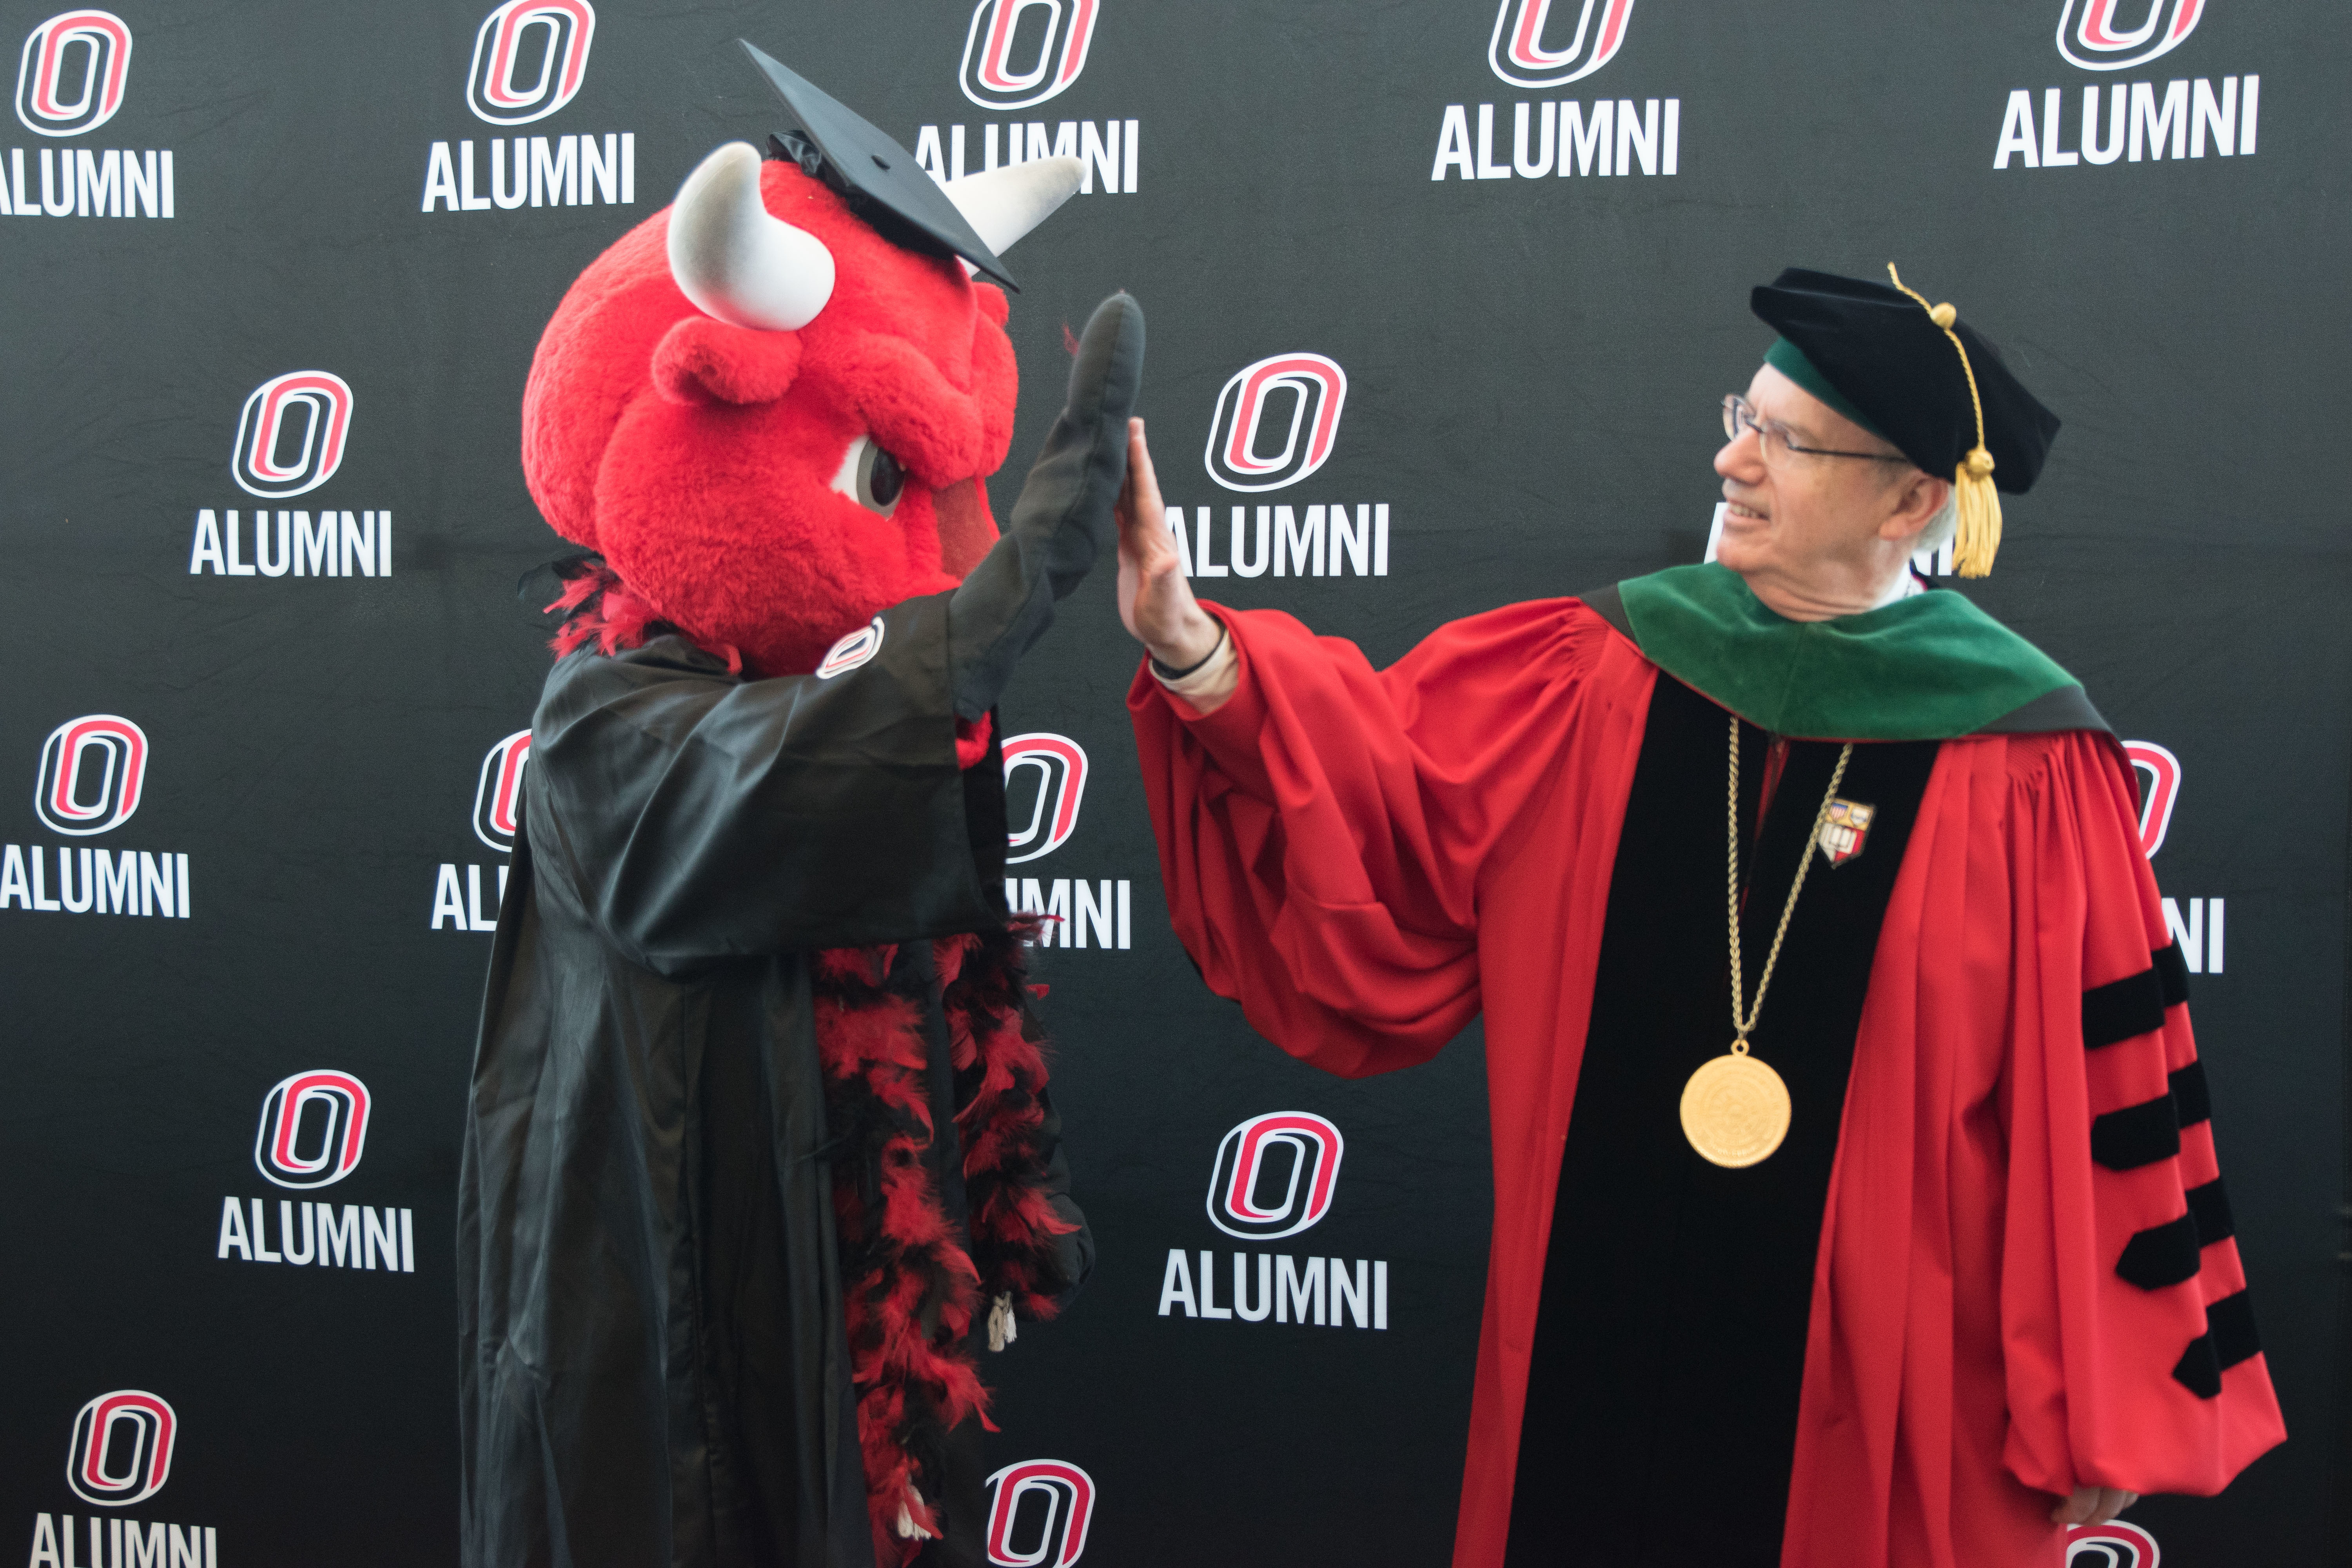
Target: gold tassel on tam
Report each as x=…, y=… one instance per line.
x=1977, y=537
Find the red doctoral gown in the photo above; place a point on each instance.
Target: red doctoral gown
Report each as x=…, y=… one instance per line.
x=1367, y=860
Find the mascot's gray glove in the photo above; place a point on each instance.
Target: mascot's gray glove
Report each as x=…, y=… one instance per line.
x=1062, y=520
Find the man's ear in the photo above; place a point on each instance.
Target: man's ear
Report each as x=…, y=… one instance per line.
x=1916, y=498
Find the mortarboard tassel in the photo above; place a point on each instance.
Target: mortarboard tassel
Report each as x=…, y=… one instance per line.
x=1977, y=537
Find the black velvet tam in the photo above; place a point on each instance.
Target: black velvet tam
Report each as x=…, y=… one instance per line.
x=1879, y=348
x=833, y=142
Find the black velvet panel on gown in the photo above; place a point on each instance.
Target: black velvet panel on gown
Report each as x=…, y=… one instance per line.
x=1669, y=1353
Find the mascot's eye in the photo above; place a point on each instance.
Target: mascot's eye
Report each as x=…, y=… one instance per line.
x=871, y=477
x=879, y=479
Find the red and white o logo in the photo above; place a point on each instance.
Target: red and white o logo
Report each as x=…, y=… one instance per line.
x=2095, y=42
x=72, y=74
x=1521, y=57
x=1023, y=52
x=1275, y=421
x=92, y=772
x=1060, y=764
x=498, y=795
x=530, y=58
x=1275, y=1176
x=122, y=1450
x=851, y=651
x=2111, y=1545
x=290, y=439
x=1051, y=1531
x=313, y=1130
x=2160, y=787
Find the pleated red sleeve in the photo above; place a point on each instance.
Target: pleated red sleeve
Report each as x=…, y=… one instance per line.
x=2027, y=1281
x=1321, y=834
x=2128, y=1336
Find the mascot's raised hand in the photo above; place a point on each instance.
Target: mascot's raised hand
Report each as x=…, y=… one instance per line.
x=760, y=1150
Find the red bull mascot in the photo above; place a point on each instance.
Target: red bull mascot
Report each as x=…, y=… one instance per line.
x=760, y=1152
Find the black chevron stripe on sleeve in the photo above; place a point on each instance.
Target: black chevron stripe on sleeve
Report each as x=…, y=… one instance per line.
x=2142, y=1134
x=2123, y=1009
x=2166, y=1255
x=2190, y=1095
x=2209, y=1205
x=2161, y=1255
x=2229, y=1339
x=2134, y=1005
x=2172, y=973
x=2136, y=1135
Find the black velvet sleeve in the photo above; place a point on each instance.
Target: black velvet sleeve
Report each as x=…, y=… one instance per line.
x=1062, y=519
x=707, y=816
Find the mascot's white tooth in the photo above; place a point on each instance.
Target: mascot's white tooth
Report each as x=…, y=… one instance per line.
x=733, y=258
x=1005, y=204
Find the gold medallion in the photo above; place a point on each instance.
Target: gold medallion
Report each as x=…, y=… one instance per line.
x=1734, y=1110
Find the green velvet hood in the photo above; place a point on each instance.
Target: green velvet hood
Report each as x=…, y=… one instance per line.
x=1928, y=667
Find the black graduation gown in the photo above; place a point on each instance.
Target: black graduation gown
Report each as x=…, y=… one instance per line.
x=654, y=1369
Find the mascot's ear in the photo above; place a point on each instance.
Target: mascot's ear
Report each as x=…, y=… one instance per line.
x=701, y=360
x=993, y=302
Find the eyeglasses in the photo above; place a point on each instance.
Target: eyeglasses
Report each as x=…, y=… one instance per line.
x=1777, y=441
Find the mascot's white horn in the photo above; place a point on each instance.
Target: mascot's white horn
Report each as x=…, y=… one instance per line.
x=737, y=261
x=1005, y=204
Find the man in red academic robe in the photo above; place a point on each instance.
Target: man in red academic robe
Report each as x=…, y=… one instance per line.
x=1961, y=1272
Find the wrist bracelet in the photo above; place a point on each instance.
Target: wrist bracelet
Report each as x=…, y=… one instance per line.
x=1166, y=673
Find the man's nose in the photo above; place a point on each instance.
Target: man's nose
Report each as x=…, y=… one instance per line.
x=1741, y=458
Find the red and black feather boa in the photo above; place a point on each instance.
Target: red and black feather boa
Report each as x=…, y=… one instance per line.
x=914, y=1286
x=599, y=607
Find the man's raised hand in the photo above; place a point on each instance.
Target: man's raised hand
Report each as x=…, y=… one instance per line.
x=1155, y=596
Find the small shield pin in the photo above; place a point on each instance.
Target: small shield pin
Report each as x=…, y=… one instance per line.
x=1846, y=830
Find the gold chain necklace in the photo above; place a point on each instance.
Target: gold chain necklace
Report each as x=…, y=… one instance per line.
x=1735, y=1108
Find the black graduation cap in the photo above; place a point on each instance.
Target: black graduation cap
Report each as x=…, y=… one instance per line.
x=881, y=179
x=1924, y=379
x=1884, y=352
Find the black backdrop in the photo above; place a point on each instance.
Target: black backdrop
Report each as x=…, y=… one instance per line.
x=1530, y=365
